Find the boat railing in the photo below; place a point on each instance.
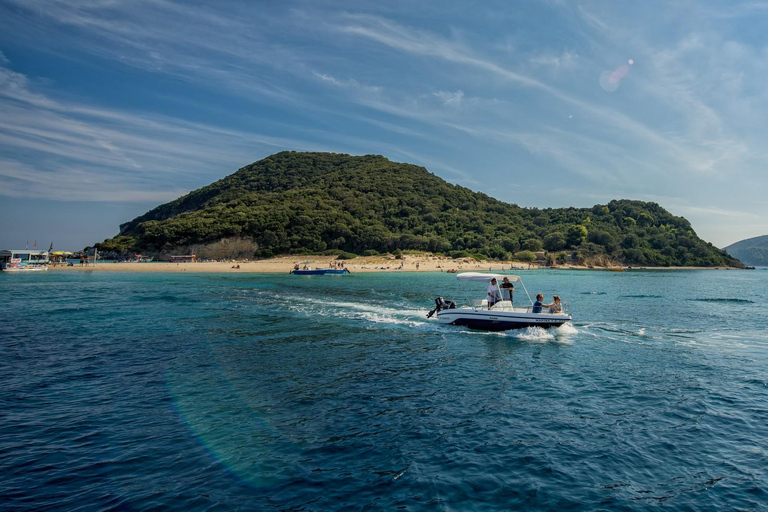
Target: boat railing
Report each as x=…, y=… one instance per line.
x=506, y=305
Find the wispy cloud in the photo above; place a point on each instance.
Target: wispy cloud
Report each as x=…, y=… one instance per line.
x=703, y=146
x=426, y=44
x=74, y=151
x=423, y=43
x=565, y=60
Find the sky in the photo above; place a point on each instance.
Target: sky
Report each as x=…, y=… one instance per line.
x=109, y=108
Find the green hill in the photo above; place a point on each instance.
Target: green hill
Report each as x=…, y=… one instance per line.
x=753, y=251
x=298, y=203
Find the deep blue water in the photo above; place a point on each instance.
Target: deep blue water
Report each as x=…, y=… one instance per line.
x=259, y=392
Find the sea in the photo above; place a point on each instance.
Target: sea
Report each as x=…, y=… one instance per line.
x=183, y=391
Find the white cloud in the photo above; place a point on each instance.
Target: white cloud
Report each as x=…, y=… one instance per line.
x=450, y=98
x=566, y=60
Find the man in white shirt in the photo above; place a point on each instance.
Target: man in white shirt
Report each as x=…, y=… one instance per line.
x=494, y=295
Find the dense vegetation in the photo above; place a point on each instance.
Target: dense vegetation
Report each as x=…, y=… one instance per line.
x=299, y=203
x=753, y=251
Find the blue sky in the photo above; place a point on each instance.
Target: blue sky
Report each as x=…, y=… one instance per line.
x=109, y=108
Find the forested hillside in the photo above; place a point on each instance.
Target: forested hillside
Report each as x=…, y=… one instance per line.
x=753, y=251
x=298, y=203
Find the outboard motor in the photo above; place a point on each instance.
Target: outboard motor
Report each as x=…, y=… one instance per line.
x=441, y=304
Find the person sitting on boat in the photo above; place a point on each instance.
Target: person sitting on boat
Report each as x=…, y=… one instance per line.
x=507, y=289
x=538, y=304
x=555, y=306
x=494, y=294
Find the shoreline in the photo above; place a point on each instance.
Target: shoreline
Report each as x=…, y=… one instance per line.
x=284, y=264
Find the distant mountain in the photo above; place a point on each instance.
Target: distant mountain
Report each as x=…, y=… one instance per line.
x=752, y=251
x=300, y=203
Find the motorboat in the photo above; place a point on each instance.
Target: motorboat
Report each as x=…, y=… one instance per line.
x=319, y=271
x=502, y=316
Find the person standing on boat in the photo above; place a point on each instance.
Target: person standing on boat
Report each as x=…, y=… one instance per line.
x=494, y=294
x=507, y=289
x=538, y=304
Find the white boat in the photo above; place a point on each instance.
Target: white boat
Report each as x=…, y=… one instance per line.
x=502, y=316
x=23, y=260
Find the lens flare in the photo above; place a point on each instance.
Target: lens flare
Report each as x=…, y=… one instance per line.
x=610, y=80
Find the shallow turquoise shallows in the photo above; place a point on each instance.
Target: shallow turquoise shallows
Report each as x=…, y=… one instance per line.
x=277, y=392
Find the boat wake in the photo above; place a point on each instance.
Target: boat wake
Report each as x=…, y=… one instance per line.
x=318, y=307
x=539, y=334
x=368, y=312
x=532, y=334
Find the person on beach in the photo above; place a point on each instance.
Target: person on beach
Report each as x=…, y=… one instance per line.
x=507, y=289
x=538, y=304
x=494, y=294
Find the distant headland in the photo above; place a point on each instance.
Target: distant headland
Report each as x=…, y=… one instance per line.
x=752, y=251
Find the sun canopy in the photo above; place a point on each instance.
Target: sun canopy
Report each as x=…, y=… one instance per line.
x=482, y=277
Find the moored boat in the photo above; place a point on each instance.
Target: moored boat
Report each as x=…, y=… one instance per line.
x=319, y=271
x=23, y=260
x=502, y=316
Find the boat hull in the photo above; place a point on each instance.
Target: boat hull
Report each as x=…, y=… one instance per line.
x=486, y=320
x=320, y=272
x=24, y=269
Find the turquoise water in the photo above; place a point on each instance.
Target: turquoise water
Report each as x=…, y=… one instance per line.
x=259, y=392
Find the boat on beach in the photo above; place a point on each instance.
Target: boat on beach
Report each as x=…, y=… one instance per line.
x=502, y=316
x=23, y=260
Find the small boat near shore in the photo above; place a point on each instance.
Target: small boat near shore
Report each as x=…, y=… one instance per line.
x=23, y=260
x=502, y=316
x=319, y=271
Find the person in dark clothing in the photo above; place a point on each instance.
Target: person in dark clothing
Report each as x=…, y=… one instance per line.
x=507, y=289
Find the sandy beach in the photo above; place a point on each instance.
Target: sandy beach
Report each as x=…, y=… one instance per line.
x=284, y=264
